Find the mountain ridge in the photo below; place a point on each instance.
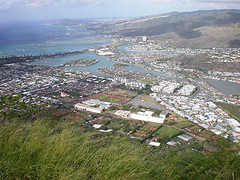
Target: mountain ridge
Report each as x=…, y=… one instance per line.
x=192, y=26
x=197, y=29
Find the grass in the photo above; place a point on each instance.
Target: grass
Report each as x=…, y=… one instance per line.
x=159, y=131
x=234, y=111
x=120, y=65
x=40, y=152
x=109, y=98
x=67, y=150
x=170, y=132
x=121, y=92
x=183, y=124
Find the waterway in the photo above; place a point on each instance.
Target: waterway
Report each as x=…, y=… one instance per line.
x=226, y=87
x=103, y=63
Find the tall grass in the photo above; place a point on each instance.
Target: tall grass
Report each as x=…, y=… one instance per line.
x=39, y=150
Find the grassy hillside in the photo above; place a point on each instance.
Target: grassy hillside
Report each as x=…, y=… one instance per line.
x=203, y=63
x=63, y=148
x=234, y=111
x=60, y=145
x=211, y=36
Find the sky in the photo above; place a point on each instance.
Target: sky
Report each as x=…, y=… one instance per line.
x=17, y=10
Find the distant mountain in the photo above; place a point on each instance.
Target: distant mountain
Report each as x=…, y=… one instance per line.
x=70, y=22
x=199, y=29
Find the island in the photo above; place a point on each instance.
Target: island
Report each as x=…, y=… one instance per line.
x=120, y=65
x=80, y=62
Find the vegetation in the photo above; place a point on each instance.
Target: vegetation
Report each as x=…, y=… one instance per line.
x=160, y=131
x=201, y=62
x=169, y=133
x=61, y=145
x=19, y=106
x=191, y=30
x=120, y=65
x=183, y=124
x=121, y=92
x=234, y=111
x=111, y=99
x=38, y=150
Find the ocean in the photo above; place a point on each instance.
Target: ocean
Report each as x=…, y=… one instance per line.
x=40, y=37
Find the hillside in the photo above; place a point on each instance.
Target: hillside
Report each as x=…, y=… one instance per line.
x=58, y=144
x=199, y=29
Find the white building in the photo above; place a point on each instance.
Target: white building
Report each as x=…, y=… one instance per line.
x=234, y=124
x=122, y=113
x=92, y=105
x=147, y=116
x=152, y=143
x=144, y=38
x=187, y=90
x=136, y=84
x=84, y=107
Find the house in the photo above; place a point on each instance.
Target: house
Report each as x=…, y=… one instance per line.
x=63, y=94
x=152, y=143
x=163, y=114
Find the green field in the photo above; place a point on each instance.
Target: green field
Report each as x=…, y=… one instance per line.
x=166, y=132
x=110, y=99
x=170, y=132
x=234, y=111
x=159, y=131
x=121, y=92
x=183, y=124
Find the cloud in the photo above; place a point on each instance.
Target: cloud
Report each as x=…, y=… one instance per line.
x=200, y=1
x=90, y=2
x=8, y=4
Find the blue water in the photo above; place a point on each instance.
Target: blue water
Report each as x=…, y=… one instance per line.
x=40, y=37
x=103, y=62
